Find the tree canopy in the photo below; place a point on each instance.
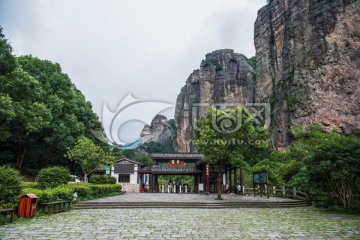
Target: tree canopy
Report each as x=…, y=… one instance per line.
x=332, y=161
x=229, y=136
x=41, y=112
x=89, y=155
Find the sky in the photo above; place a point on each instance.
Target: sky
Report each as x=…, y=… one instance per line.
x=134, y=54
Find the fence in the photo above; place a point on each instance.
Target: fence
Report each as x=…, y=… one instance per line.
x=283, y=192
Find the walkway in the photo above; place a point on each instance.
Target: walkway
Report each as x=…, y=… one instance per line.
x=291, y=223
x=186, y=223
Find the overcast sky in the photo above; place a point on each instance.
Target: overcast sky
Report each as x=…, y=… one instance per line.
x=111, y=48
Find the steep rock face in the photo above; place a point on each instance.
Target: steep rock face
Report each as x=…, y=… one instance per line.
x=308, y=54
x=159, y=131
x=224, y=77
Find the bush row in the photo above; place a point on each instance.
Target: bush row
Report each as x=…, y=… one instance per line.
x=10, y=187
x=102, y=179
x=65, y=192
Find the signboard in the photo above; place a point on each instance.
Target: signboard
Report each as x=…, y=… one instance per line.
x=107, y=169
x=263, y=177
x=256, y=178
x=260, y=178
x=201, y=187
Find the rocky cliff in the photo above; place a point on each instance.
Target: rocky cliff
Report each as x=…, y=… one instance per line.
x=308, y=54
x=159, y=131
x=224, y=77
x=308, y=65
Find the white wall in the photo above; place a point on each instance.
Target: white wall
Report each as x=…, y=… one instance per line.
x=133, y=177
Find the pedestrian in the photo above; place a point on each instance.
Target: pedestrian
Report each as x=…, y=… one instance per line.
x=238, y=188
x=170, y=186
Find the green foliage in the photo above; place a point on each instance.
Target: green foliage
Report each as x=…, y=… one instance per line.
x=102, y=179
x=211, y=61
x=10, y=187
x=88, y=155
x=53, y=176
x=129, y=153
x=41, y=112
x=7, y=60
x=230, y=136
x=331, y=162
x=156, y=147
x=65, y=192
x=144, y=158
x=252, y=62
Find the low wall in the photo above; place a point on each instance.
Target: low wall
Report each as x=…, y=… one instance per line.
x=128, y=187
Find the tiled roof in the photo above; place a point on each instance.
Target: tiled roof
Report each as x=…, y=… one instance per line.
x=176, y=155
x=129, y=160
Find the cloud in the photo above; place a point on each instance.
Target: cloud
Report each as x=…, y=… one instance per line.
x=110, y=48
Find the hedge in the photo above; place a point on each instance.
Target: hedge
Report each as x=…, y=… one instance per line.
x=66, y=191
x=10, y=187
x=102, y=179
x=53, y=176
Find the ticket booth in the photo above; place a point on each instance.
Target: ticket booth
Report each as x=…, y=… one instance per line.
x=27, y=205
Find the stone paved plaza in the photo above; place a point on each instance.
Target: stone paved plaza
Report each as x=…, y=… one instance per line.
x=171, y=197
x=244, y=223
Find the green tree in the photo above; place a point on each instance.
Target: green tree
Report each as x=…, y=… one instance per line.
x=88, y=155
x=41, y=112
x=230, y=136
x=129, y=153
x=53, y=176
x=144, y=158
x=332, y=161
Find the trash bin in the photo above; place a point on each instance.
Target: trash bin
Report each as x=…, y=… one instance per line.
x=27, y=205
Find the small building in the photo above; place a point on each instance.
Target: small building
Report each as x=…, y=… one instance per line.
x=126, y=173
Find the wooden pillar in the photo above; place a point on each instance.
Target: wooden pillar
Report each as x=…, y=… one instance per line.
x=230, y=179
x=152, y=183
x=226, y=177
x=235, y=176
x=242, y=179
x=197, y=182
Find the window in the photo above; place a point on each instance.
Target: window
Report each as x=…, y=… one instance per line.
x=124, y=178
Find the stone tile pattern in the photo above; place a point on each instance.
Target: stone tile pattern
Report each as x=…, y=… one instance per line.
x=172, y=197
x=130, y=188
x=295, y=223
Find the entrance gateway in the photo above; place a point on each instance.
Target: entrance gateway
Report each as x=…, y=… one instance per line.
x=191, y=164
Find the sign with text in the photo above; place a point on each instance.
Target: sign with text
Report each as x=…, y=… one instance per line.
x=260, y=177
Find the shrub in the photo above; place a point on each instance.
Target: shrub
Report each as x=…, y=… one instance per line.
x=10, y=187
x=102, y=179
x=53, y=176
x=101, y=190
x=65, y=192
x=30, y=185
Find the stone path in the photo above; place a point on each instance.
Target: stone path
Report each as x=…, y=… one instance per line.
x=171, y=197
x=291, y=223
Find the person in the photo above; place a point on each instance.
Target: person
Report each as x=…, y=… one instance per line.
x=238, y=188
x=170, y=186
x=177, y=185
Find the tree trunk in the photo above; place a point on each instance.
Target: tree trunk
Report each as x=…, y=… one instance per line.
x=219, y=176
x=85, y=177
x=20, y=157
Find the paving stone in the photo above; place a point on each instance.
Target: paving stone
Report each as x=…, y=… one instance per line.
x=262, y=223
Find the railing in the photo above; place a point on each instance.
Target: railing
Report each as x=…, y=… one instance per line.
x=283, y=193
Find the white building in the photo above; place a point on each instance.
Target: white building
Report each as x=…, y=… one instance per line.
x=126, y=173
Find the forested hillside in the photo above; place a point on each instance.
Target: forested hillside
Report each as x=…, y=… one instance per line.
x=41, y=112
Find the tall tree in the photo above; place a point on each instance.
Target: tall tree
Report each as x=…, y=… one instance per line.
x=41, y=112
x=332, y=161
x=229, y=136
x=88, y=155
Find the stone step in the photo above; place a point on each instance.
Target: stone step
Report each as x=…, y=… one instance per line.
x=99, y=205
